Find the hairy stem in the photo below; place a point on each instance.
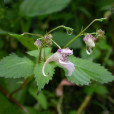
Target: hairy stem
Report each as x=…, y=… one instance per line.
x=13, y=100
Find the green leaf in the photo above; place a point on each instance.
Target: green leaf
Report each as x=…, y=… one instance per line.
x=6, y=107
x=85, y=71
x=40, y=7
x=13, y=66
x=35, y=53
x=96, y=88
x=27, y=42
x=62, y=39
x=40, y=79
x=41, y=98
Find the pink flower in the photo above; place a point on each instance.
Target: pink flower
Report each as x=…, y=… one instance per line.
x=89, y=41
x=37, y=43
x=61, y=58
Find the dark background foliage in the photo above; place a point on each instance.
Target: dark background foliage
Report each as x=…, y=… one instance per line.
x=18, y=17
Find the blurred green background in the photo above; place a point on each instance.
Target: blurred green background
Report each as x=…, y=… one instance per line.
x=40, y=16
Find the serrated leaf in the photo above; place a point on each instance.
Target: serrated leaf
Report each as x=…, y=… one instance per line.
x=62, y=39
x=40, y=79
x=40, y=7
x=85, y=71
x=41, y=98
x=27, y=42
x=13, y=66
x=35, y=53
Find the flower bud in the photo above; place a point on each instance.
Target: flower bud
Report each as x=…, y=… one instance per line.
x=89, y=41
x=100, y=34
x=47, y=39
x=37, y=43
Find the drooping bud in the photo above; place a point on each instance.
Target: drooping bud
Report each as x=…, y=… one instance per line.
x=37, y=43
x=100, y=34
x=90, y=43
x=61, y=58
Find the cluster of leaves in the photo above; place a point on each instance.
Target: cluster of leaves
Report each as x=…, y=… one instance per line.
x=13, y=66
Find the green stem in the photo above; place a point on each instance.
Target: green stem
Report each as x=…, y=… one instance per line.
x=39, y=35
x=56, y=44
x=22, y=86
x=61, y=26
x=90, y=25
x=72, y=40
x=40, y=55
x=84, y=104
x=59, y=105
x=81, y=33
x=13, y=100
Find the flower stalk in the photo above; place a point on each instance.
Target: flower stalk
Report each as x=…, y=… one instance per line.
x=61, y=26
x=82, y=32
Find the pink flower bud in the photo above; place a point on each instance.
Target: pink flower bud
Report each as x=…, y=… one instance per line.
x=90, y=43
x=61, y=58
x=37, y=43
x=100, y=34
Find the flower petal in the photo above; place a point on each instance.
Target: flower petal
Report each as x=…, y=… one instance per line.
x=89, y=50
x=70, y=67
x=55, y=57
x=61, y=62
x=61, y=58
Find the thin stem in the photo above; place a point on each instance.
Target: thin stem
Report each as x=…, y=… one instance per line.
x=84, y=104
x=61, y=26
x=40, y=55
x=22, y=86
x=13, y=100
x=89, y=25
x=44, y=55
x=72, y=40
x=56, y=44
x=59, y=105
x=110, y=99
x=81, y=33
x=39, y=35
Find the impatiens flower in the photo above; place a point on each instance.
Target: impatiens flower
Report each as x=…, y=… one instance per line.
x=89, y=41
x=37, y=43
x=61, y=58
